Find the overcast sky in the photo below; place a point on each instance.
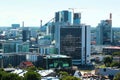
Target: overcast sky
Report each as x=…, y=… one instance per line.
x=32, y=11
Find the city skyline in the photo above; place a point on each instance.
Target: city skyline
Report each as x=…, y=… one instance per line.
x=32, y=11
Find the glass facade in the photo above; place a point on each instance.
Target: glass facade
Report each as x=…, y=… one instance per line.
x=13, y=59
x=63, y=16
x=70, y=42
x=23, y=47
x=77, y=18
x=104, y=33
x=57, y=63
x=9, y=47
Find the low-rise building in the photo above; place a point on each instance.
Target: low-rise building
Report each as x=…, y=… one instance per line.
x=111, y=49
x=57, y=61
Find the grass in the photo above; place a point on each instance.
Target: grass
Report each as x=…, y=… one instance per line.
x=101, y=66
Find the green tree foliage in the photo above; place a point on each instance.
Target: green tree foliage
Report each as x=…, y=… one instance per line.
x=1, y=69
x=116, y=54
x=39, y=68
x=2, y=73
x=117, y=76
x=107, y=61
x=30, y=75
x=63, y=74
x=33, y=68
x=115, y=64
x=11, y=76
x=70, y=78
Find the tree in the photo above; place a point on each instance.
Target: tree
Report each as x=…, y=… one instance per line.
x=2, y=73
x=33, y=68
x=115, y=64
x=116, y=54
x=107, y=61
x=70, y=78
x=117, y=76
x=63, y=74
x=11, y=76
x=30, y=75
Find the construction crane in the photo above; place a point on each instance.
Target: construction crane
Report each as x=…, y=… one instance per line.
x=49, y=22
x=72, y=9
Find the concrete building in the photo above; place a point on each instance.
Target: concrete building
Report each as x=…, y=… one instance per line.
x=12, y=59
x=111, y=49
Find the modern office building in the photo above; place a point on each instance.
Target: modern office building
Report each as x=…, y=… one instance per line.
x=25, y=34
x=12, y=59
x=15, y=26
x=104, y=32
x=77, y=18
x=63, y=17
x=57, y=61
x=12, y=46
x=111, y=49
x=35, y=58
x=74, y=41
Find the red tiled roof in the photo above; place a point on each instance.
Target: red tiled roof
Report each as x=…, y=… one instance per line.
x=27, y=63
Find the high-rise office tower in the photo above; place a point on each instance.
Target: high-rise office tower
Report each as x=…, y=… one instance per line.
x=63, y=17
x=15, y=26
x=77, y=18
x=25, y=34
x=104, y=32
x=74, y=41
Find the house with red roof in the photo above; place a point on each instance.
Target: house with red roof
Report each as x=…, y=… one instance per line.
x=26, y=64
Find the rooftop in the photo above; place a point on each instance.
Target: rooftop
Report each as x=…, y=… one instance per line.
x=56, y=56
x=112, y=47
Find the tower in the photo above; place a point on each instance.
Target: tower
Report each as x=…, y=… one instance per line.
x=104, y=32
x=25, y=34
x=63, y=17
x=74, y=41
x=77, y=18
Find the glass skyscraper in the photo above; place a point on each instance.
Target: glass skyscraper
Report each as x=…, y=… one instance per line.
x=63, y=17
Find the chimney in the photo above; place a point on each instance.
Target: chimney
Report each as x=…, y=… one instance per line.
x=110, y=16
x=40, y=23
x=23, y=24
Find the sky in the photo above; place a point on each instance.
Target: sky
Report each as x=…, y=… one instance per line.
x=32, y=11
